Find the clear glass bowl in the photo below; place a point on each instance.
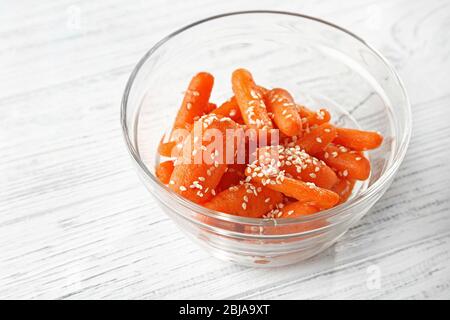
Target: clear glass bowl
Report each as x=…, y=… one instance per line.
x=322, y=65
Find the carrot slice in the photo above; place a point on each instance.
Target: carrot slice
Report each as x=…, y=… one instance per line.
x=358, y=139
x=197, y=170
x=250, y=100
x=296, y=164
x=164, y=171
x=349, y=164
x=247, y=200
x=344, y=189
x=195, y=99
x=285, y=115
x=229, y=109
x=318, y=138
x=302, y=191
x=314, y=118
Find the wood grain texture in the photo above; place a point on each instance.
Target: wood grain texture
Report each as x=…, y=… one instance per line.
x=75, y=222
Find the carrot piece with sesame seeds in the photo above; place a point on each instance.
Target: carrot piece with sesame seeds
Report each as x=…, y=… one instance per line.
x=348, y=164
x=358, y=140
x=195, y=99
x=297, y=164
x=285, y=115
x=164, y=170
x=230, y=109
x=314, y=117
x=296, y=209
x=250, y=100
x=302, y=191
x=317, y=139
x=197, y=170
x=344, y=189
x=245, y=200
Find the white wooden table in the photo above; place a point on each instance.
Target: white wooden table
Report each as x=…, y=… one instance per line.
x=75, y=221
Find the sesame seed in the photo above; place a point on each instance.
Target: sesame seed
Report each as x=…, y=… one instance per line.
x=213, y=192
x=345, y=173
x=188, y=106
x=327, y=130
x=232, y=113
x=245, y=198
x=319, y=140
x=358, y=158
x=171, y=182
x=290, y=212
x=183, y=188
x=194, y=152
x=244, y=206
x=201, y=178
x=312, y=175
x=208, y=172
x=267, y=200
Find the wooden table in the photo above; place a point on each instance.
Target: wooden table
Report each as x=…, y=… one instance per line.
x=75, y=221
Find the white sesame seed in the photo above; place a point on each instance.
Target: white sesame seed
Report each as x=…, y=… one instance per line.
x=171, y=182
x=244, y=206
x=183, y=188
x=345, y=173
x=188, y=106
x=358, y=158
x=312, y=175
x=290, y=212
x=201, y=178
x=319, y=140
x=327, y=130
x=267, y=200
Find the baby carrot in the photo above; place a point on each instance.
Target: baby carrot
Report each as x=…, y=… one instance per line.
x=250, y=100
x=296, y=209
x=314, y=118
x=285, y=115
x=247, y=200
x=302, y=191
x=229, y=109
x=317, y=139
x=296, y=164
x=358, y=140
x=164, y=171
x=349, y=164
x=195, y=99
x=344, y=189
x=193, y=177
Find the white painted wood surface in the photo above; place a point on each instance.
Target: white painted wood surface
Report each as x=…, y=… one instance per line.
x=75, y=220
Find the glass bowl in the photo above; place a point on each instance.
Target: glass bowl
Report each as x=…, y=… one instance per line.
x=321, y=65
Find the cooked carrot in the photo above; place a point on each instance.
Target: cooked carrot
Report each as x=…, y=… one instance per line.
x=344, y=189
x=317, y=139
x=314, y=118
x=250, y=100
x=196, y=174
x=285, y=115
x=247, y=200
x=234, y=174
x=296, y=164
x=349, y=164
x=195, y=99
x=296, y=209
x=164, y=171
x=165, y=148
x=210, y=107
x=302, y=191
x=358, y=139
x=229, y=109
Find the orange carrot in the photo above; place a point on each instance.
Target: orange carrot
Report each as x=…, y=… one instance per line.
x=198, y=171
x=250, y=100
x=285, y=115
x=317, y=139
x=165, y=148
x=247, y=200
x=314, y=118
x=195, y=99
x=232, y=177
x=229, y=109
x=349, y=164
x=164, y=171
x=358, y=140
x=296, y=164
x=344, y=189
x=210, y=107
x=296, y=209
x=302, y=191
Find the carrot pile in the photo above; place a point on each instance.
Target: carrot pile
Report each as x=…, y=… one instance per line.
x=312, y=166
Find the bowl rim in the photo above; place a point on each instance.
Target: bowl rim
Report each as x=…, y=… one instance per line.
x=324, y=214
